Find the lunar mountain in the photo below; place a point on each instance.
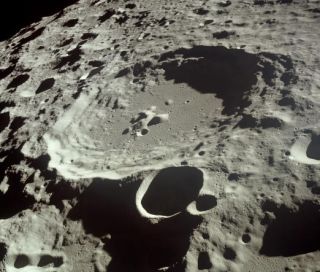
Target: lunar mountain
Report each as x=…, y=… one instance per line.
x=160, y=136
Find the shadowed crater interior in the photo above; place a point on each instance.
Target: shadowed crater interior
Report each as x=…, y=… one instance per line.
x=230, y=74
x=313, y=150
x=293, y=231
x=107, y=210
x=206, y=202
x=172, y=190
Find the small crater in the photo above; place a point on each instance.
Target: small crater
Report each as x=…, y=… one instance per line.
x=50, y=261
x=201, y=11
x=172, y=190
x=21, y=261
x=130, y=6
x=246, y=238
x=65, y=42
x=206, y=202
x=229, y=254
x=96, y=63
x=234, y=177
x=17, y=81
x=154, y=121
x=70, y=23
x=225, y=4
x=144, y=131
x=45, y=85
x=107, y=15
x=204, y=261
x=223, y=34
x=270, y=122
x=73, y=57
x=121, y=18
x=89, y=35
x=287, y=101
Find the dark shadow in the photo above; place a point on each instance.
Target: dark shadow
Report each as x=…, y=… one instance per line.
x=314, y=186
x=21, y=261
x=107, y=210
x=45, y=85
x=50, y=261
x=70, y=23
x=73, y=57
x=223, y=34
x=107, y=15
x=172, y=190
x=95, y=71
x=31, y=37
x=41, y=163
x=16, y=14
x=249, y=121
x=18, y=80
x=204, y=261
x=7, y=71
x=229, y=254
x=60, y=191
x=89, y=35
x=96, y=63
x=230, y=74
x=15, y=125
x=313, y=150
x=6, y=104
x=293, y=231
x=206, y=202
x=4, y=120
x=3, y=251
x=14, y=199
x=65, y=42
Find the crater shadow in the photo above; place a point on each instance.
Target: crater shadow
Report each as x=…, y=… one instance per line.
x=18, y=80
x=14, y=199
x=228, y=73
x=172, y=190
x=231, y=74
x=48, y=260
x=73, y=57
x=313, y=149
x=294, y=231
x=107, y=210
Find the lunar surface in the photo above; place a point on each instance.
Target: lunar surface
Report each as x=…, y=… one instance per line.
x=160, y=136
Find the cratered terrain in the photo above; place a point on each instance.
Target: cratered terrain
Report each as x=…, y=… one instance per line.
x=160, y=136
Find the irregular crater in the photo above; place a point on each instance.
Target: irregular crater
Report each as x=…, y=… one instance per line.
x=230, y=74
